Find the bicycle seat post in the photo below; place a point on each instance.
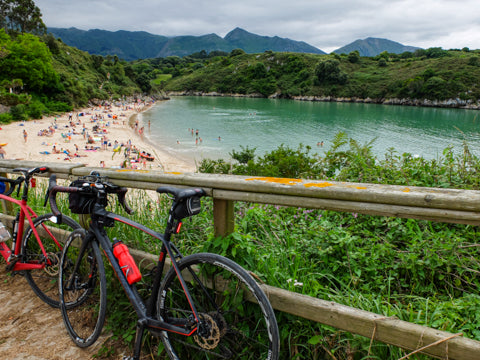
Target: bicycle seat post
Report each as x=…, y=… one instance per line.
x=172, y=222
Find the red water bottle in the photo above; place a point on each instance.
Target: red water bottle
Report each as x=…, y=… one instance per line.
x=126, y=261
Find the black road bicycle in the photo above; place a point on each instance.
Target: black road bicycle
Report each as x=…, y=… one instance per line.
x=205, y=306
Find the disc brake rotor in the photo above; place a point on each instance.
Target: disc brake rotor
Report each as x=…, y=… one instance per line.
x=53, y=265
x=210, y=334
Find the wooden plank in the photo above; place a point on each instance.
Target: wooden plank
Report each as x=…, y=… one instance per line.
x=62, y=170
x=453, y=199
x=385, y=329
x=443, y=215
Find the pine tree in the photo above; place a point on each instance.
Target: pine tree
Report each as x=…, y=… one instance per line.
x=21, y=16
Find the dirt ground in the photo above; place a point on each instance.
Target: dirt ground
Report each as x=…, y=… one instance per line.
x=31, y=329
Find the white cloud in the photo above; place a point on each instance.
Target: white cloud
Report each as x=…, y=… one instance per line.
x=326, y=25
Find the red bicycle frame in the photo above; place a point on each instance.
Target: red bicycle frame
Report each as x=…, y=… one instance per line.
x=25, y=213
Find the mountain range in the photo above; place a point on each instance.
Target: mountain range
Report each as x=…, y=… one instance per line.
x=374, y=46
x=132, y=45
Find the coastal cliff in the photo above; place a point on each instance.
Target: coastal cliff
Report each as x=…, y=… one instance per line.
x=449, y=103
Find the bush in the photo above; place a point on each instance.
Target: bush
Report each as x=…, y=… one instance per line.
x=35, y=110
x=382, y=63
x=9, y=99
x=328, y=72
x=19, y=112
x=244, y=156
x=354, y=57
x=6, y=118
x=236, y=52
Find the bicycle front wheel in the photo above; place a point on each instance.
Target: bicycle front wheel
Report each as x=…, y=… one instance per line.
x=236, y=320
x=52, y=233
x=83, y=289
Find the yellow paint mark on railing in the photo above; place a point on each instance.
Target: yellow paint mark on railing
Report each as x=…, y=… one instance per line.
x=135, y=170
x=406, y=190
x=283, y=181
x=319, y=185
x=358, y=187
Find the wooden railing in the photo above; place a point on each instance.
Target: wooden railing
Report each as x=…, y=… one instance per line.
x=445, y=205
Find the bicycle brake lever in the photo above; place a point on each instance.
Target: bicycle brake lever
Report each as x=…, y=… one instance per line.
x=18, y=189
x=46, y=197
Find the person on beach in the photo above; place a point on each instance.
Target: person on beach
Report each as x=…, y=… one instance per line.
x=25, y=135
x=105, y=143
x=3, y=153
x=85, y=142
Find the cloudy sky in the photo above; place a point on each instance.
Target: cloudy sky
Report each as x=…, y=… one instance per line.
x=327, y=25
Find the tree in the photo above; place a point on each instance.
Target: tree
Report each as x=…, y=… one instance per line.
x=354, y=57
x=236, y=52
x=382, y=62
x=30, y=60
x=328, y=72
x=21, y=16
x=4, y=43
x=259, y=71
x=12, y=85
x=144, y=82
x=4, y=11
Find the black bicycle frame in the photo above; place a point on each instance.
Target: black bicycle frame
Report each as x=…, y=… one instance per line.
x=144, y=314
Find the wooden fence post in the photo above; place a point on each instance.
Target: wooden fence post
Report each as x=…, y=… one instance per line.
x=7, y=207
x=223, y=217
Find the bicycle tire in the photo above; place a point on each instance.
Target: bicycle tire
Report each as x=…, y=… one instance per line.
x=44, y=282
x=231, y=326
x=83, y=292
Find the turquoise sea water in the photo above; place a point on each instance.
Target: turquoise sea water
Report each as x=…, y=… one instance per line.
x=224, y=124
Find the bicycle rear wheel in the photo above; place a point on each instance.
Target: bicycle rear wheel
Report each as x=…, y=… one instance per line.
x=53, y=234
x=83, y=289
x=236, y=318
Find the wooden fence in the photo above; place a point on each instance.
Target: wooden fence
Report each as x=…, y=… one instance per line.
x=445, y=205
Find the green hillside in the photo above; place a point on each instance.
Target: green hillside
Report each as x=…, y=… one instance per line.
x=433, y=74
x=42, y=75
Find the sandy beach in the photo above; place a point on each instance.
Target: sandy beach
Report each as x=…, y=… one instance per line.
x=100, y=136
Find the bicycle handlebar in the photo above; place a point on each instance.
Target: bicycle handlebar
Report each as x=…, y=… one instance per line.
x=27, y=175
x=13, y=184
x=53, y=189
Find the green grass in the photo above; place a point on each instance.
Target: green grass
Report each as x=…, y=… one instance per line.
x=161, y=78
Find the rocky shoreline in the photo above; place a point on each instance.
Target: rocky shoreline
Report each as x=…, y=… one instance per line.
x=450, y=103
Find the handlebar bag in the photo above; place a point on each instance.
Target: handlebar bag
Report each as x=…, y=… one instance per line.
x=81, y=202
